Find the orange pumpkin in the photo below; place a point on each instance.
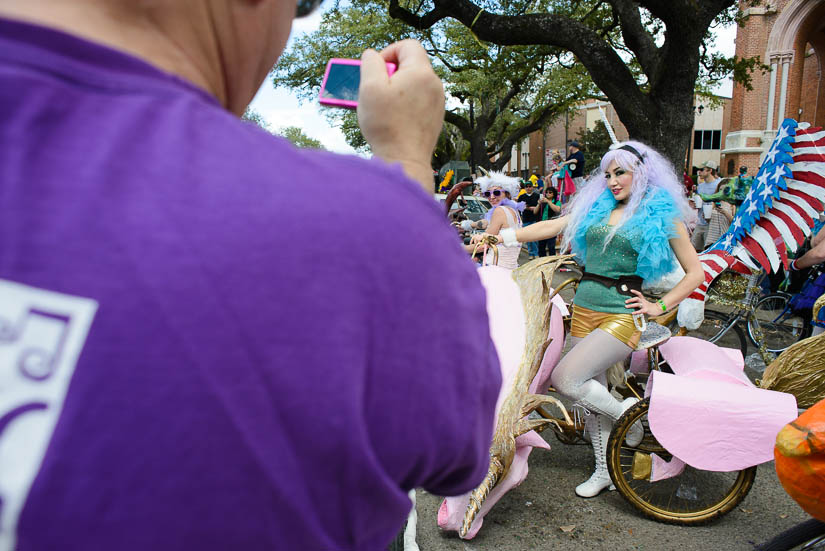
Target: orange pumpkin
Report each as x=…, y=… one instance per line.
x=800, y=460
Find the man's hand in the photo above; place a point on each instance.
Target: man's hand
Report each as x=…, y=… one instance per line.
x=401, y=116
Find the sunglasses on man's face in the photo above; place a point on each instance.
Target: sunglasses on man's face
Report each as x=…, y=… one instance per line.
x=306, y=7
x=495, y=193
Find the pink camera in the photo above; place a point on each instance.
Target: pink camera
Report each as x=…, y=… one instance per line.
x=341, y=81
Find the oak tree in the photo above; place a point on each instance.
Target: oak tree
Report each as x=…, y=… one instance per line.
x=497, y=94
x=647, y=56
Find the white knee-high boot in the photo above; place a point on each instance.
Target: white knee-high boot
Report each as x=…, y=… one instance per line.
x=598, y=399
x=599, y=427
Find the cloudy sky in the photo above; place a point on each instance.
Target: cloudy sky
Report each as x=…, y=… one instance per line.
x=280, y=107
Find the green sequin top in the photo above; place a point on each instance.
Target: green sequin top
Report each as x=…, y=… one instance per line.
x=619, y=259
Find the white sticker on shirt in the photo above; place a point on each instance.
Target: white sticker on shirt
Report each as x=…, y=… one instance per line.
x=41, y=336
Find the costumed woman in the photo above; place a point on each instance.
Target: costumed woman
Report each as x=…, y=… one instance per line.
x=627, y=224
x=505, y=214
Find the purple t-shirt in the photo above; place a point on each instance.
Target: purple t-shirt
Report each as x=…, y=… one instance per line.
x=188, y=361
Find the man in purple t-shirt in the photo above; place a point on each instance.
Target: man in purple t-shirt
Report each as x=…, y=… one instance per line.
x=178, y=369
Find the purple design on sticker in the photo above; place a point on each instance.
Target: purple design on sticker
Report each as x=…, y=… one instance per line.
x=8, y=417
x=36, y=360
x=36, y=364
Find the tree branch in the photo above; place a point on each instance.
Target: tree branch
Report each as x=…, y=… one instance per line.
x=459, y=122
x=636, y=36
x=667, y=10
x=435, y=52
x=543, y=116
x=419, y=22
x=606, y=68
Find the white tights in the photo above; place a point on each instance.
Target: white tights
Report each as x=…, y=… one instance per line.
x=581, y=373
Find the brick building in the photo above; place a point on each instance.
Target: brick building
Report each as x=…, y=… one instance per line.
x=711, y=124
x=533, y=154
x=789, y=35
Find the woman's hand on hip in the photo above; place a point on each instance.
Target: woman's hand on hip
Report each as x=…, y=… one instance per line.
x=641, y=305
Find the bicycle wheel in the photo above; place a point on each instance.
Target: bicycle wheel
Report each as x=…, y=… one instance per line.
x=780, y=326
x=693, y=497
x=810, y=534
x=713, y=329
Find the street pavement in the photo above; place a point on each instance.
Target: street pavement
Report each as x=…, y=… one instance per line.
x=544, y=513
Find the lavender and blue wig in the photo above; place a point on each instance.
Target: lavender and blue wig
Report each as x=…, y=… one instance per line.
x=655, y=203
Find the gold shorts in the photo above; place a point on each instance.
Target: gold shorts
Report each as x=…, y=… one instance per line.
x=620, y=326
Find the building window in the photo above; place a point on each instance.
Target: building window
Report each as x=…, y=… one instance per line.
x=707, y=139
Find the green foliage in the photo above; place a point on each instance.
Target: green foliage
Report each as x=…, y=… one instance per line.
x=715, y=67
x=451, y=146
x=348, y=124
x=255, y=118
x=741, y=69
x=649, y=57
x=595, y=144
x=599, y=16
x=512, y=89
x=299, y=139
x=344, y=33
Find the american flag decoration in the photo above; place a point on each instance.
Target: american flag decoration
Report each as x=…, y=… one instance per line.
x=783, y=205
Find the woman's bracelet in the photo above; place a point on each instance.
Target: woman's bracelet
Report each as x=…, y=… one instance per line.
x=662, y=305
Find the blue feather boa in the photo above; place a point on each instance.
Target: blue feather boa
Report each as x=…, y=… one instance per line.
x=649, y=231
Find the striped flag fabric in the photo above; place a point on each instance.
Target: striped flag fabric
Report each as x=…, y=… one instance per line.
x=779, y=212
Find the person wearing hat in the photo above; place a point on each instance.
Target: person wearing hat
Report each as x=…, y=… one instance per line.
x=708, y=181
x=575, y=159
x=734, y=191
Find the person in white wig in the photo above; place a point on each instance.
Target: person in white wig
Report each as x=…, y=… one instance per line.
x=505, y=214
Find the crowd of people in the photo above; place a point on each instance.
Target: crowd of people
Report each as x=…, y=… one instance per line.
x=539, y=198
x=530, y=200
x=188, y=364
